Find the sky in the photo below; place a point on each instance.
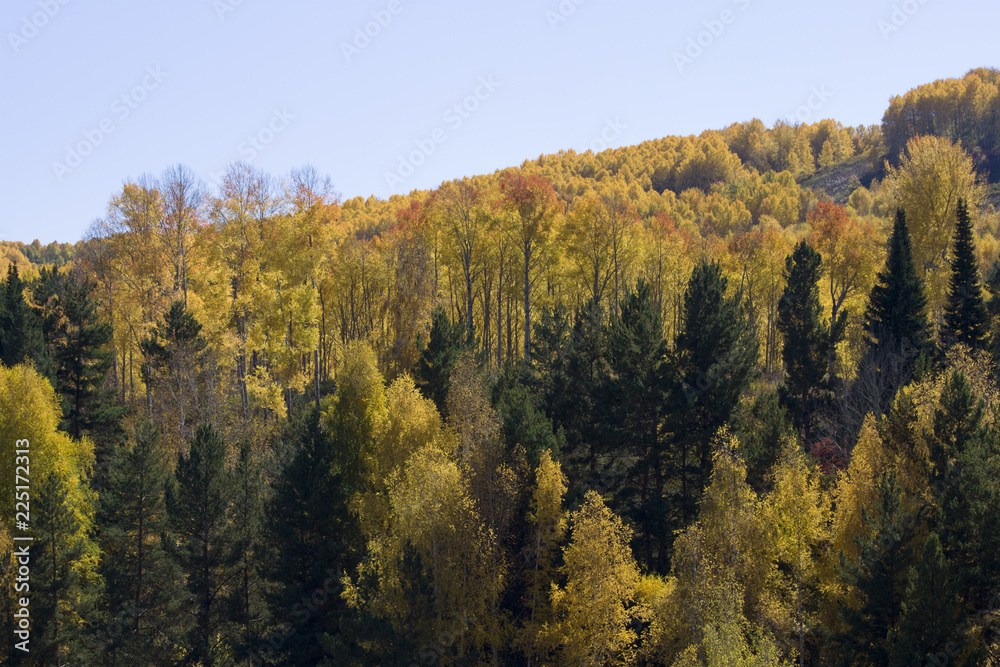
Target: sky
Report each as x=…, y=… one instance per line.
x=388, y=96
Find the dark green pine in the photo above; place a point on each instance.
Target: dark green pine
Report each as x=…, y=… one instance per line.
x=965, y=316
x=432, y=371
x=807, y=338
x=895, y=320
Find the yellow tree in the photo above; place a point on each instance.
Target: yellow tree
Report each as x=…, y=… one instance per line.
x=850, y=257
x=593, y=615
x=458, y=207
x=798, y=510
x=930, y=179
x=530, y=208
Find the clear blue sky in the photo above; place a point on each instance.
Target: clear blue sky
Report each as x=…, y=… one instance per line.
x=200, y=77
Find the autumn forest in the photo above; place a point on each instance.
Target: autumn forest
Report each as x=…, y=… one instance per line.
x=726, y=399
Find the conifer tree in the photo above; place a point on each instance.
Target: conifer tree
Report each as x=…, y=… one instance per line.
x=711, y=365
x=807, y=338
x=929, y=612
x=82, y=363
x=315, y=539
x=896, y=320
x=144, y=592
x=879, y=578
x=63, y=592
x=433, y=368
x=965, y=316
x=202, y=540
x=635, y=351
x=20, y=331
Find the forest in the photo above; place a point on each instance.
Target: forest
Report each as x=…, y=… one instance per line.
x=727, y=399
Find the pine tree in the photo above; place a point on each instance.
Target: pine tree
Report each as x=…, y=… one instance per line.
x=895, y=320
x=433, y=368
x=315, y=539
x=246, y=603
x=712, y=363
x=82, y=363
x=144, y=590
x=20, y=330
x=635, y=351
x=929, y=612
x=807, y=338
x=63, y=593
x=965, y=316
x=878, y=577
x=202, y=541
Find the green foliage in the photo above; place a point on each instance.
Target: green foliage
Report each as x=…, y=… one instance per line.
x=879, y=577
x=711, y=365
x=433, y=368
x=807, y=337
x=929, y=611
x=144, y=592
x=965, y=316
x=20, y=331
x=202, y=540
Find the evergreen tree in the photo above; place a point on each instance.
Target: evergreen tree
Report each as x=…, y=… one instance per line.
x=711, y=365
x=582, y=408
x=20, y=330
x=635, y=352
x=144, y=592
x=315, y=539
x=202, y=542
x=432, y=372
x=966, y=457
x=895, y=320
x=965, y=316
x=929, y=611
x=807, y=338
x=523, y=419
x=246, y=603
x=63, y=592
x=879, y=577
x=82, y=362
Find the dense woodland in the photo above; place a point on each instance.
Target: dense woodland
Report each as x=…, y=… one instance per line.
x=719, y=400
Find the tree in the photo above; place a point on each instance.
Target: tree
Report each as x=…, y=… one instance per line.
x=593, y=619
x=202, y=542
x=143, y=587
x=965, y=316
x=848, y=255
x=711, y=365
x=82, y=365
x=530, y=207
x=807, y=338
x=175, y=381
x=314, y=538
x=929, y=612
x=879, y=577
x=460, y=205
x=20, y=331
x=896, y=320
x=433, y=368
x=636, y=350
x=933, y=175
x=63, y=581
